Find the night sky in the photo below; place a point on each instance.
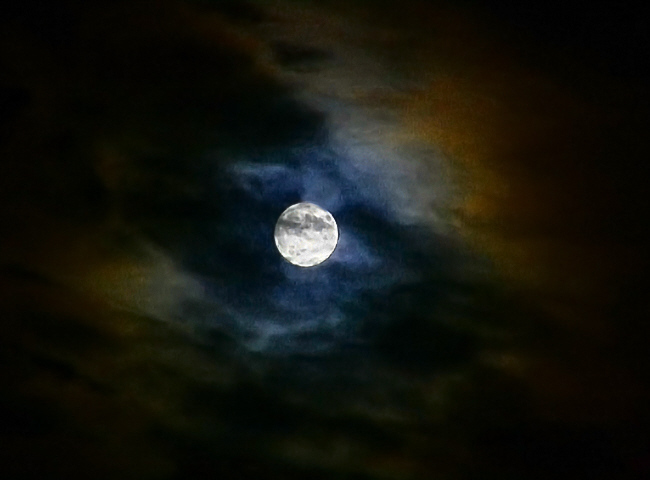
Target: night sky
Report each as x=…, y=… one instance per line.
x=483, y=316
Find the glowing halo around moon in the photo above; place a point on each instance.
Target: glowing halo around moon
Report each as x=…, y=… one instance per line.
x=306, y=235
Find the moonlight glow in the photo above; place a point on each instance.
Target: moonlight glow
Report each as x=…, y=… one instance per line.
x=306, y=235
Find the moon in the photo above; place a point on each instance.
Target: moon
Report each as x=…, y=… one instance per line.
x=306, y=234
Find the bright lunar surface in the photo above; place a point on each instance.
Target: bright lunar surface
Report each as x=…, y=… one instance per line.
x=306, y=235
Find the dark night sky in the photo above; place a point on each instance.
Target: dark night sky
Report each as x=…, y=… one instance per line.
x=483, y=316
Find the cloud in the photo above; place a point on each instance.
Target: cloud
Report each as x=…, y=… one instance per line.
x=149, y=152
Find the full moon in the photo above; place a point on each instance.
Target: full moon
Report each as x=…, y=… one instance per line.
x=306, y=235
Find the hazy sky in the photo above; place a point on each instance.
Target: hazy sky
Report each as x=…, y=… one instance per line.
x=482, y=317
